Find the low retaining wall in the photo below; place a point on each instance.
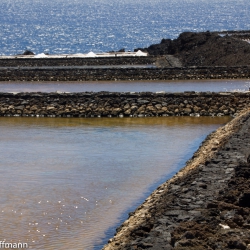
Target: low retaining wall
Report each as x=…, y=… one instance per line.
x=114, y=104
x=39, y=62
x=113, y=74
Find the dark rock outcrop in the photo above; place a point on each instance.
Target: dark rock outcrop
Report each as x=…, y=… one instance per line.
x=28, y=52
x=205, y=49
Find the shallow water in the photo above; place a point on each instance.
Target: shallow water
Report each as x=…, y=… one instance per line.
x=128, y=86
x=66, y=183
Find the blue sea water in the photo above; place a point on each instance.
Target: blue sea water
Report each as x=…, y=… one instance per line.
x=80, y=26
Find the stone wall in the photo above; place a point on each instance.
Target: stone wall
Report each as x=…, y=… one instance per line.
x=114, y=104
x=113, y=74
x=39, y=62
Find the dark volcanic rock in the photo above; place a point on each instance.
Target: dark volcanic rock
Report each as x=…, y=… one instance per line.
x=205, y=49
x=28, y=52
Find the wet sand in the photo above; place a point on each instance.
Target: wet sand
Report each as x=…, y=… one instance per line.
x=206, y=205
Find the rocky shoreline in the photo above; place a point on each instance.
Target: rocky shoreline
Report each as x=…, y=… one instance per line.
x=206, y=205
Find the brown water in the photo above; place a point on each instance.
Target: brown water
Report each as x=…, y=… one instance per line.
x=128, y=86
x=66, y=183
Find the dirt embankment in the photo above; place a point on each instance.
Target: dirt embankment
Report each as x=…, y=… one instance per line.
x=204, y=206
x=206, y=48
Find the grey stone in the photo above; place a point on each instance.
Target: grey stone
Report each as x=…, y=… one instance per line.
x=21, y=107
x=174, y=212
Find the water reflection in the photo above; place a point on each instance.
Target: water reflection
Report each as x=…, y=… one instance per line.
x=127, y=86
x=65, y=181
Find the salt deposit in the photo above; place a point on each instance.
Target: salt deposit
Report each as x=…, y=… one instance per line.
x=91, y=54
x=140, y=53
x=42, y=55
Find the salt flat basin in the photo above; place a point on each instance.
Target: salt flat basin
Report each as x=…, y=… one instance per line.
x=128, y=86
x=68, y=182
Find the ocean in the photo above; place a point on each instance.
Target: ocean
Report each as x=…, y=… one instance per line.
x=81, y=26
